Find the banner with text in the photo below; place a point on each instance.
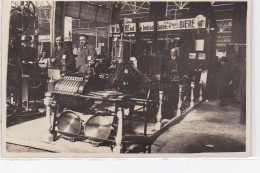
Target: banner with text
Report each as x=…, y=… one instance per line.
x=181, y=24
x=146, y=26
x=128, y=28
x=167, y=25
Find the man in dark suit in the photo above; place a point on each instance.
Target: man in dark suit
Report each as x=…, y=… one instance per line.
x=86, y=58
x=176, y=66
x=62, y=51
x=28, y=56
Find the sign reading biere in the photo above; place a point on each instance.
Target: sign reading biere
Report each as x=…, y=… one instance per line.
x=176, y=24
x=166, y=25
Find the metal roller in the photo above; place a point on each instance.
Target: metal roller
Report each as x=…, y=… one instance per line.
x=63, y=90
x=98, y=127
x=73, y=91
x=60, y=85
x=71, y=87
x=69, y=123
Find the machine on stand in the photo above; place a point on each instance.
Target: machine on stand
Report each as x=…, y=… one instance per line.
x=81, y=107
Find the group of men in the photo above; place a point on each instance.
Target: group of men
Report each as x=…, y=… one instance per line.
x=62, y=56
x=85, y=59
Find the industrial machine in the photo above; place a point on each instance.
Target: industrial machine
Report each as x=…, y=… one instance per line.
x=86, y=107
x=22, y=17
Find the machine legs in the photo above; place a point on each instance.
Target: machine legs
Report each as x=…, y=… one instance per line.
x=200, y=97
x=192, y=95
x=117, y=148
x=48, y=137
x=180, y=101
x=158, y=125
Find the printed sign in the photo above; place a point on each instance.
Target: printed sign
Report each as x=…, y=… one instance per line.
x=166, y=25
x=130, y=27
x=192, y=55
x=146, y=26
x=179, y=24
x=201, y=56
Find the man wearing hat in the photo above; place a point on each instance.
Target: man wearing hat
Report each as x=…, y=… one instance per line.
x=28, y=55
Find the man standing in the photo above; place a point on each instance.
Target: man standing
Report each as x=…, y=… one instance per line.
x=176, y=67
x=86, y=58
x=62, y=52
x=28, y=56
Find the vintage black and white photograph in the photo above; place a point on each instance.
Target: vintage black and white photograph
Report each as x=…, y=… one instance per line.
x=125, y=79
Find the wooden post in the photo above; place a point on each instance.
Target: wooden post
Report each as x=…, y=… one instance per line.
x=180, y=101
x=57, y=22
x=158, y=125
x=48, y=137
x=12, y=98
x=119, y=134
x=200, y=97
x=192, y=95
x=52, y=27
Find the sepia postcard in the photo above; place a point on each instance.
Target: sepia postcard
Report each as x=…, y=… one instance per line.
x=126, y=79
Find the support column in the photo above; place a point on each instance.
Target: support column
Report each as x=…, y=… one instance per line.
x=48, y=137
x=52, y=27
x=119, y=135
x=192, y=95
x=200, y=97
x=180, y=101
x=158, y=125
x=57, y=21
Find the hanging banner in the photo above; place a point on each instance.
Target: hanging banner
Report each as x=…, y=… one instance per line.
x=181, y=24
x=128, y=28
x=146, y=26
x=166, y=25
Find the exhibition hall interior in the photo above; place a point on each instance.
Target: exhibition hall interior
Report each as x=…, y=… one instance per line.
x=123, y=77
